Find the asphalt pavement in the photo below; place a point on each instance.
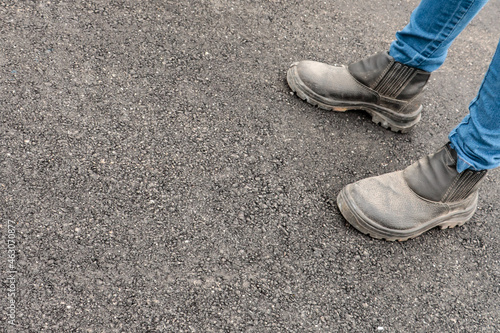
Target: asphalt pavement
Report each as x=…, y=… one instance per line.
x=158, y=175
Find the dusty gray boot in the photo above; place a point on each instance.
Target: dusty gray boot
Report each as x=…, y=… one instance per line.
x=404, y=204
x=388, y=90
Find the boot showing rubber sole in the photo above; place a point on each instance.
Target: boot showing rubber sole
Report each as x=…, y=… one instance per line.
x=378, y=114
x=404, y=204
x=359, y=221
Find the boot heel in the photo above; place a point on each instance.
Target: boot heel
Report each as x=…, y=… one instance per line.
x=451, y=225
x=457, y=221
x=389, y=124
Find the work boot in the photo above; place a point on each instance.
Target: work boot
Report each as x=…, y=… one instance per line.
x=404, y=204
x=388, y=90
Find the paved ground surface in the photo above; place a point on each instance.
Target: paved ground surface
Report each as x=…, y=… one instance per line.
x=162, y=178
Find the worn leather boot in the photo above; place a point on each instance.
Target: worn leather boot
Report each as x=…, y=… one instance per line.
x=404, y=204
x=388, y=90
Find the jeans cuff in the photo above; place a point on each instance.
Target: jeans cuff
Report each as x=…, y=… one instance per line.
x=462, y=165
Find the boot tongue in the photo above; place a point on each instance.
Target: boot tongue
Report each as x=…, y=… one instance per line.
x=432, y=176
x=368, y=70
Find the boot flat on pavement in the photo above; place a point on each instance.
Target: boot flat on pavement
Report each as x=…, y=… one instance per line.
x=404, y=204
x=388, y=90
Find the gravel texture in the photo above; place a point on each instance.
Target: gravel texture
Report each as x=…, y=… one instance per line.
x=158, y=175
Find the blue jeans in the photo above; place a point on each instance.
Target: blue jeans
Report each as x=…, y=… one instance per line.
x=424, y=44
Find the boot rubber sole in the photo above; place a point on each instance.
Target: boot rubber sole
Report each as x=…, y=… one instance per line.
x=357, y=219
x=375, y=111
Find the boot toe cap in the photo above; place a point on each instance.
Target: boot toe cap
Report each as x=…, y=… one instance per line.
x=387, y=203
x=329, y=83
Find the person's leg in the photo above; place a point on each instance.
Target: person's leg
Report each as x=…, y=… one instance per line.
x=477, y=138
x=440, y=190
x=433, y=26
